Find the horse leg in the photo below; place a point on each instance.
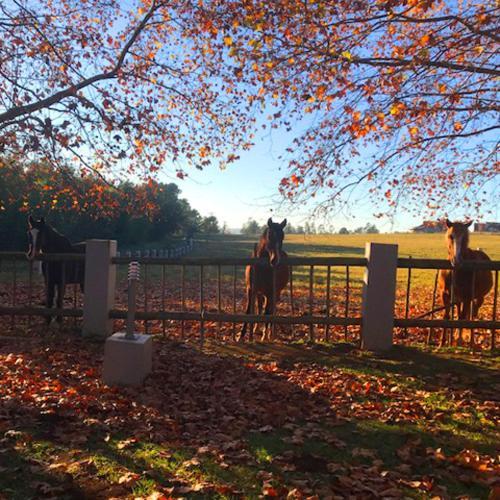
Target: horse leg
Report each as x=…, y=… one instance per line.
x=249, y=310
x=475, y=305
x=446, y=301
x=268, y=311
x=61, y=289
x=460, y=315
x=50, y=292
x=260, y=307
x=253, y=326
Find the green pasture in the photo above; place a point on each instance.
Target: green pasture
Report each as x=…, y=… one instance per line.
x=418, y=245
x=430, y=246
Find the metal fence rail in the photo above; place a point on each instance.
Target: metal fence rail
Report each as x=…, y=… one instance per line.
x=437, y=264
x=310, y=301
x=212, y=309
x=22, y=279
x=322, y=292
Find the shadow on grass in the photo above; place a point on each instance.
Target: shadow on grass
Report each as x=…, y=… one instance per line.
x=199, y=399
x=242, y=246
x=363, y=443
x=429, y=369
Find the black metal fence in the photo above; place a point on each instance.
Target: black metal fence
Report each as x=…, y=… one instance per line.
x=204, y=297
x=23, y=292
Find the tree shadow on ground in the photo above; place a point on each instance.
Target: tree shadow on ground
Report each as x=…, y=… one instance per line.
x=246, y=416
x=432, y=369
x=24, y=477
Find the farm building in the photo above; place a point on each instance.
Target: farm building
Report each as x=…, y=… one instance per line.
x=487, y=227
x=429, y=226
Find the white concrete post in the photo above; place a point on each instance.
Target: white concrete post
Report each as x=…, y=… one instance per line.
x=379, y=293
x=100, y=280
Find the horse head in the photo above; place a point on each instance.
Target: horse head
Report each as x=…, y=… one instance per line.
x=37, y=236
x=274, y=236
x=457, y=240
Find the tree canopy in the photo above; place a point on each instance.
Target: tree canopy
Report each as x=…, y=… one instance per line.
x=400, y=94
x=116, y=88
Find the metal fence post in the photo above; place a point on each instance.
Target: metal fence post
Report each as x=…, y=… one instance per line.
x=379, y=294
x=99, y=295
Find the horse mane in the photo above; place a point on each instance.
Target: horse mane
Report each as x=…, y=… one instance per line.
x=260, y=247
x=58, y=238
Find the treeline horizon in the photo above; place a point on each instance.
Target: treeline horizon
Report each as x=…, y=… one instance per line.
x=252, y=227
x=83, y=206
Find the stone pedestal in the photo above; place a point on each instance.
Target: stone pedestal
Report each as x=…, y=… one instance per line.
x=127, y=361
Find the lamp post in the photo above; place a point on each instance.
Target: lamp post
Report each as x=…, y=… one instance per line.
x=134, y=272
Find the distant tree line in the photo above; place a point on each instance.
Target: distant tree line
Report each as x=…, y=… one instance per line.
x=368, y=228
x=130, y=213
x=252, y=227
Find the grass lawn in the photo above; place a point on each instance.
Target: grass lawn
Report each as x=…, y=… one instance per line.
x=418, y=245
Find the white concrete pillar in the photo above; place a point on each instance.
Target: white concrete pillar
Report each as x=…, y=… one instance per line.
x=379, y=294
x=127, y=361
x=100, y=281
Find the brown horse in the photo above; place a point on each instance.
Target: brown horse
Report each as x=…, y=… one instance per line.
x=466, y=287
x=259, y=278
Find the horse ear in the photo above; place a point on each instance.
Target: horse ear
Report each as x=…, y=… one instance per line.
x=283, y=223
x=449, y=223
x=270, y=221
x=467, y=224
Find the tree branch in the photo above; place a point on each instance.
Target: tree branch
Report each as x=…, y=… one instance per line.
x=70, y=91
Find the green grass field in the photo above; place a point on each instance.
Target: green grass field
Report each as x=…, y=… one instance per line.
x=430, y=246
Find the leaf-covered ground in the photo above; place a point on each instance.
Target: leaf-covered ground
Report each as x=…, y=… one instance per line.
x=248, y=421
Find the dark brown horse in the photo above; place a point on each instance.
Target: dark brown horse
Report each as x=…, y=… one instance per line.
x=44, y=239
x=466, y=287
x=259, y=278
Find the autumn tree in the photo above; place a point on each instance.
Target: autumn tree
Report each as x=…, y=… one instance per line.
x=117, y=88
x=399, y=93
x=36, y=188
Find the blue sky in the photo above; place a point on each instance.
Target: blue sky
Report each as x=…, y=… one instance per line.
x=249, y=188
